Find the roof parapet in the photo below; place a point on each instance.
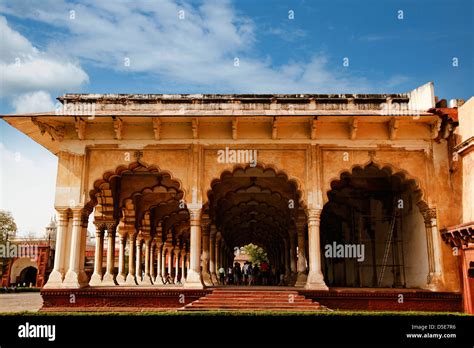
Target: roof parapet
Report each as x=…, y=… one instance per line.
x=422, y=98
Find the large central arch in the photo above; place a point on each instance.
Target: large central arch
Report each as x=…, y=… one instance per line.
x=261, y=206
x=379, y=211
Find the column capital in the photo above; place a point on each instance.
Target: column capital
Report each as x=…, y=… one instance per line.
x=313, y=215
x=195, y=211
x=428, y=215
x=205, y=223
x=99, y=225
x=213, y=230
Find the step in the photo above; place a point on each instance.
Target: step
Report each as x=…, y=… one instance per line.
x=253, y=300
x=280, y=305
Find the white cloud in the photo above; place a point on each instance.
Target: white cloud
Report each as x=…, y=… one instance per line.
x=27, y=189
x=33, y=102
x=197, y=52
x=25, y=69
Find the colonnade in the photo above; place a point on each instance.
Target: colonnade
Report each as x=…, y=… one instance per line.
x=194, y=262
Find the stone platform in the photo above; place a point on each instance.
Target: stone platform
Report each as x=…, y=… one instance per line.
x=112, y=299
x=370, y=299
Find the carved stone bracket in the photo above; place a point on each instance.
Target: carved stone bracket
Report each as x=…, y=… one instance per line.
x=435, y=128
x=393, y=125
x=157, y=127
x=354, y=124
x=234, y=128
x=80, y=126
x=56, y=132
x=274, y=128
x=195, y=128
x=118, y=128
x=314, y=125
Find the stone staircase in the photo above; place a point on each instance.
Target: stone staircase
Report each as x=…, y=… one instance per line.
x=253, y=300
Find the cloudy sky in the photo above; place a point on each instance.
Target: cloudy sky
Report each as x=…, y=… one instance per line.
x=51, y=47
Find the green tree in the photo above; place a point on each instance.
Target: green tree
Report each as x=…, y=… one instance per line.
x=257, y=254
x=7, y=226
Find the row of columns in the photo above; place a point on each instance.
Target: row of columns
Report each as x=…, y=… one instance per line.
x=144, y=268
x=208, y=257
x=211, y=256
x=68, y=270
x=208, y=252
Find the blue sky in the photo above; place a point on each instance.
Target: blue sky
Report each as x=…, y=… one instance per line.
x=47, y=50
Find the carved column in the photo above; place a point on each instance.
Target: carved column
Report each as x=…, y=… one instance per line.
x=176, y=264
x=121, y=277
x=435, y=278
x=152, y=261
x=138, y=260
x=315, y=276
x=74, y=277
x=109, y=276
x=206, y=276
x=286, y=258
x=56, y=277
x=218, y=254
x=193, y=279
x=301, y=277
x=212, y=254
x=147, y=277
x=183, y=265
x=159, y=268
x=96, y=278
x=170, y=263
x=131, y=276
x=163, y=263
x=82, y=255
x=293, y=255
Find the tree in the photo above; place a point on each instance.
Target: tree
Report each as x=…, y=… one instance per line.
x=7, y=226
x=257, y=254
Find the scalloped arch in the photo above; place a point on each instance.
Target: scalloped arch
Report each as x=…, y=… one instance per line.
x=133, y=167
x=265, y=168
x=414, y=182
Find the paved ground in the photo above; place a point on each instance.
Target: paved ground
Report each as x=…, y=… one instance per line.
x=28, y=301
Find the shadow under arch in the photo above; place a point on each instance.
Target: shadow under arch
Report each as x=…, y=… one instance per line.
x=373, y=219
x=390, y=169
x=138, y=168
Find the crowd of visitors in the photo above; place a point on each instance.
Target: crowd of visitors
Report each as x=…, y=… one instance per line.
x=251, y=274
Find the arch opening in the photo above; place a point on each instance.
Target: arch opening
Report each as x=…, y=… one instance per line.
x=372, y=231
x=257, y=206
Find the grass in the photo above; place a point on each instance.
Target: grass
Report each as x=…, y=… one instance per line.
x=18, y=290
x=238, y=313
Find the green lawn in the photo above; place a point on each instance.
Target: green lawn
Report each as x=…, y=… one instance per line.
x=237, y=313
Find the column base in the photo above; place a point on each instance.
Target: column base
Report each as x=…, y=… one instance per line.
x=435, y=282
x=109, y=279
x=158, y=280
x=75, y=280
x=55, y=280
x=130, y=280
x=206, y=279
x=193, y=281
x=121, y=279
x=301, y=279
x=146, y=280
x=315, y=281
x=214, y=279
x=292, y=279
x=96, y=279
